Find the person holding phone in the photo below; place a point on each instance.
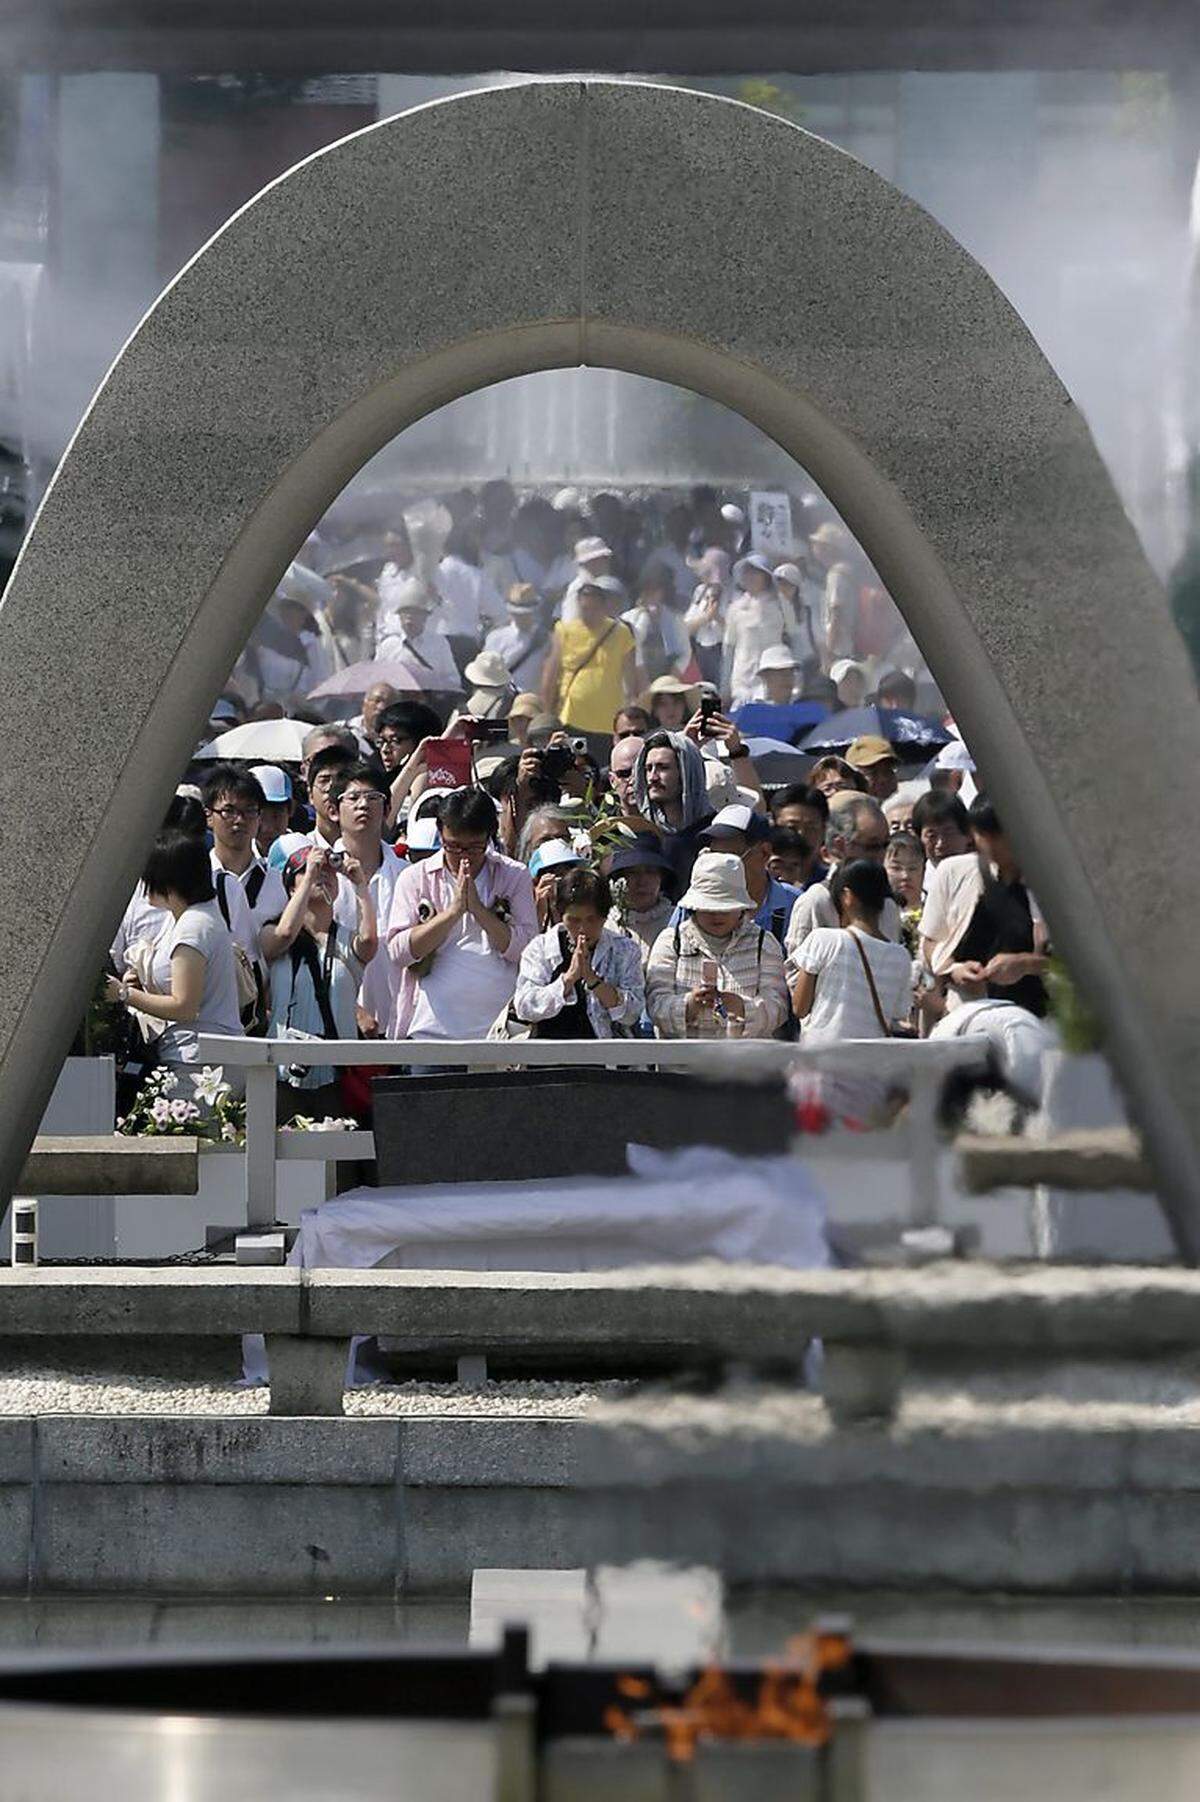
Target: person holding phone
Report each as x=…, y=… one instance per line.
x=715, y=974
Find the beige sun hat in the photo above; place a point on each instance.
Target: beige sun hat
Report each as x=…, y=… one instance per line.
x=488, y=670
x=669, y=685
x=718, y=885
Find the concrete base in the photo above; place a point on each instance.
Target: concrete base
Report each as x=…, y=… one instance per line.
x=759, y=1487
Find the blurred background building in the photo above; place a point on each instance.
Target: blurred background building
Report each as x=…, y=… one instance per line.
x=1057, y=143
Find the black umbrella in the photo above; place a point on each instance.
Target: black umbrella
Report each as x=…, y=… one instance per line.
x=914, y=736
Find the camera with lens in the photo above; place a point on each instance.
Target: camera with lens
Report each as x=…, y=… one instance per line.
x=578, y=746
x=556, y=761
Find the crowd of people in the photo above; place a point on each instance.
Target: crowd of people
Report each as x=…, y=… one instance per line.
x=547, y=809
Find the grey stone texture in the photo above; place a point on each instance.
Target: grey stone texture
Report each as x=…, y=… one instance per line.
x=758, y=1486
x=110, y=1165
x=677, y=236
x=881, y=1329
x=1107, y=1157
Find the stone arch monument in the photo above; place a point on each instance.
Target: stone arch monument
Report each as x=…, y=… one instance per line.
x=673, y=235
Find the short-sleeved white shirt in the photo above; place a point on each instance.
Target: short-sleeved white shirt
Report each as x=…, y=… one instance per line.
x=201, y=928
x=266, y=907
x=842, y=1007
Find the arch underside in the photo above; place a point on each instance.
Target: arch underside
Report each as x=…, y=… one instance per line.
x=553, y=224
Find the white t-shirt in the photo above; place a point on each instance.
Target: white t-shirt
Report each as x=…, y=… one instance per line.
x=294, y=998
x=465, y=988
x=141, y=924
x=469, y=596
x=269, y=902
x=375, y=989
x=815, y=909
x=842, y=1007
x=202, y=929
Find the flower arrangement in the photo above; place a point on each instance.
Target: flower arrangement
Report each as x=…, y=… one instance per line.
x=210, y=1112
x=301, y=1123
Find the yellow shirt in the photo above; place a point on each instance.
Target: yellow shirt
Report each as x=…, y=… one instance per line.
x=590, y=682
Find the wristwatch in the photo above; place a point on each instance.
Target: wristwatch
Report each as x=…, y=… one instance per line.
x=123, y=993
x=594, y=984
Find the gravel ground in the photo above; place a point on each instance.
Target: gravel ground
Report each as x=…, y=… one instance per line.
x=72, y=1392
x=1099, y=1399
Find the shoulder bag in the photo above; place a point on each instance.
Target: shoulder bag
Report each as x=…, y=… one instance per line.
x=889, y=1031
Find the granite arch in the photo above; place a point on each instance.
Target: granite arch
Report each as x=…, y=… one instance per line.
x=667, y=233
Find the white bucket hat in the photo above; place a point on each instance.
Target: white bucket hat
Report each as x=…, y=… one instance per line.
x=488, y=670
x=718, y=885
x=754, y=561
x=587, y=550
x=776, y=656
x=789, y=573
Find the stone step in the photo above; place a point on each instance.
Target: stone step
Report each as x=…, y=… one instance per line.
x=1098, y=1158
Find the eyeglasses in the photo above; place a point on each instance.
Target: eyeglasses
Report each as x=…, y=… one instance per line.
x=456, y=847
x=392, y=738
x=235, y=813
x=369, y=797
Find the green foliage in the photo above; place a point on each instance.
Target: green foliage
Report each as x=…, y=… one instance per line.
x=1144, y=105
x=1077, y=1021
x=769, y=97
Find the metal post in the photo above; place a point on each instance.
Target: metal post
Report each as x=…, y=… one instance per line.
x=261, y=1097
x=24, y=1248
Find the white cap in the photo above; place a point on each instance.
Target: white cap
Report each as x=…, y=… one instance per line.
x=588, y=549
x=776, y=656
x=790, y=573
x=568, y=500
x=734, y=818
x=954, y=756
x=718, y=885
x=733, y=515
x=282, y=848
x=421, y=805
x=842, y=668
x=607, y=584
x=423, y=835
x=753, y=561
x=275, y=783
x=555, y=854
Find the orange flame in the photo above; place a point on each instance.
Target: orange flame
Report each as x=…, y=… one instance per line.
x=788, y=1705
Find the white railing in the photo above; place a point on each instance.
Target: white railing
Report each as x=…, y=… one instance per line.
x=918, y=1067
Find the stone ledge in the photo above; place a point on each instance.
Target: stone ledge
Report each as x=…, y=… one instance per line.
x=1102, y=1158
x=168, y=1450
x=110, y=1164
x=131, y=1300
